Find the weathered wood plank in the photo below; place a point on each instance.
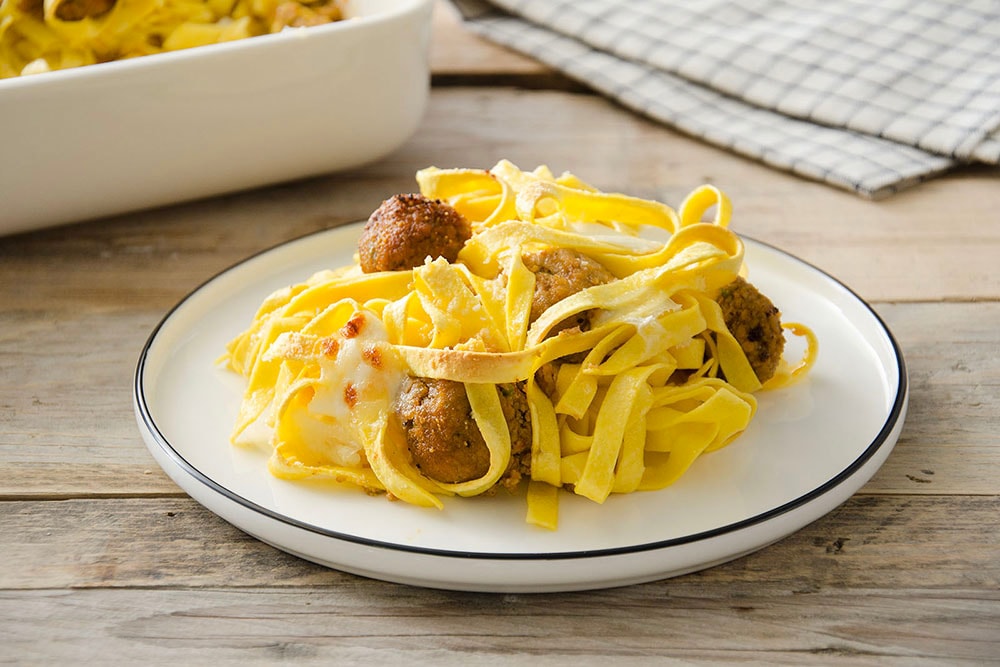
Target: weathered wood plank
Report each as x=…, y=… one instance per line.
x=878, y=249
x=880, y=543
x=385, y=624
x=62, y=481
x=959, y=369
x=70, y=432
x=910, y=247
x=459, y=57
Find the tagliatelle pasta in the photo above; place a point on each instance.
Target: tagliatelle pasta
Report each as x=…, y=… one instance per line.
x=42, y=35
x=624, y=404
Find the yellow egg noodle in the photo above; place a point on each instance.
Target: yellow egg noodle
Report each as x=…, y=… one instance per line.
x=324, y=359
x=42, y=35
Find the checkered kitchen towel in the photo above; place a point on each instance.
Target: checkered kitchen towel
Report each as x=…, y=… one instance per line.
x=868, y=96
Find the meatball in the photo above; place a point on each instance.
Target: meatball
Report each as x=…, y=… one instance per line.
x=756, y=323
x=406, y=229
x=560, y=273
x=77, y=10
x=444, y=440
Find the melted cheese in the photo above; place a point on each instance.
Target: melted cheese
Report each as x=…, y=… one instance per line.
x=654, y=383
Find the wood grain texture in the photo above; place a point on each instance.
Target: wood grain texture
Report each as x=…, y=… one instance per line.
x=70, y=431
x=154, y=579
x=458, y=57
x=108, y=561
x=877, y=249
x=870, y=543
x=384, y=624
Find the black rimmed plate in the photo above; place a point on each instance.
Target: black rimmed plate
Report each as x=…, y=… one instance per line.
x=810, y=447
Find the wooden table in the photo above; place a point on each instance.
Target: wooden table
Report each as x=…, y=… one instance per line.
x=106, y=560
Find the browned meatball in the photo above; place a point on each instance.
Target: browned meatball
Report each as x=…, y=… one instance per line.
x=756, y=323
x=442, y=436
x=406, y=229
x=76, y=10
x=560, y=273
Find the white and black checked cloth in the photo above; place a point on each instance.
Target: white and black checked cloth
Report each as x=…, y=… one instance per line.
x=870, y=96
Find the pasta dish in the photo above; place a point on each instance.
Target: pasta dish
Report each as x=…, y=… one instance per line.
x=42, y=35
x=503, y=327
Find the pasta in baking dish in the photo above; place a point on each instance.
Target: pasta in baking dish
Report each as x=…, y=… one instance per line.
x=42, y=35
x=504, y=326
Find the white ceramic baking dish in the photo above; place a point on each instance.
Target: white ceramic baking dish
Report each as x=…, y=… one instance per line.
x=115, y=137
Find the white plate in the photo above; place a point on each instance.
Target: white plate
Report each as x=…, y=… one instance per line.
x=810, y=447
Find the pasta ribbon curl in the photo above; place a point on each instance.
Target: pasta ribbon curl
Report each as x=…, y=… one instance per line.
x=648, y=380
x=44, y=35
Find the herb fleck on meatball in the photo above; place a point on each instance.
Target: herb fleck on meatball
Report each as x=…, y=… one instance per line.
x=444, y=440
x=561, y=273
x=756, y=323
x=408, y=228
